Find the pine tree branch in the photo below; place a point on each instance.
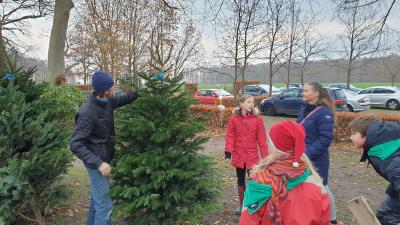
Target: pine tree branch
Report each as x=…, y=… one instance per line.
x=26, y=217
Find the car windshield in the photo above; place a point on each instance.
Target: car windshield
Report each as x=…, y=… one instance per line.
x=275, y=89
x=266, y=87
x=347, y=92
x=222, y=92
x=340, y=94
x=351, y=86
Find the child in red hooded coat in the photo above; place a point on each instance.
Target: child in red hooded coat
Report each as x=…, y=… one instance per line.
x=246, y=141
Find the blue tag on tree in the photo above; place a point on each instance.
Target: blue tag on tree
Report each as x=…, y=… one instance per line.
x=159, y=75
x=8, y=76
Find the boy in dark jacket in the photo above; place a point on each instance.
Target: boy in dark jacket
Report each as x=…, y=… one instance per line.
x=381, y=144
x=92, y=142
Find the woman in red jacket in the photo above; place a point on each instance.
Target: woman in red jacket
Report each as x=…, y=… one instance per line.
x=246, y=141
x=284, y=188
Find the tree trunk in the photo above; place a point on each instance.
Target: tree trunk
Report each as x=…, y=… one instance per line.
x=288, y=72
x=57, y=39
x=38, y=215
x=3, y=53
x=349, y=69
x=270, y=78
x=393, y=78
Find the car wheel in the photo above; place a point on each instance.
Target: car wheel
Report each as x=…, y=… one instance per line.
x=350, y=108
x=392, y=104
x=269, y=110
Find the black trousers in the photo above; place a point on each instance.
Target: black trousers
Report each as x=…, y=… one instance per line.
x=241, y=176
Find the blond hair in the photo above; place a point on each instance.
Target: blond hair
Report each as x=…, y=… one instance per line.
x=242, y=99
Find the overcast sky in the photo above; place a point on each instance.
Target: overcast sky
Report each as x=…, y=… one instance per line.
x=328, y=27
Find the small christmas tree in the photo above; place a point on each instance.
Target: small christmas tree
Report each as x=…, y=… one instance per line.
x=159, y=177
x=33, y=153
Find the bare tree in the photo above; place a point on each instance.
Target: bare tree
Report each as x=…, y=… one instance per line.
x=310, y=45
x=137, y=24
x=383, y=8
x=294, y=34
x=187, y=48
x=277, y=18
x=361, y=37
x=243, y=38
x=119, y=36
x=391, y=62
x=81, y=49
x=392, y=67
x=253, y=33
x=14, y=16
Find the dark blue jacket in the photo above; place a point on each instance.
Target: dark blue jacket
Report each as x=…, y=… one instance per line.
x=92, y=137
x=319, y=134
x=379, y=133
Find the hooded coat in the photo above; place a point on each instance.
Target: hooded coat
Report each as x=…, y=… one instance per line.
x=246, y=139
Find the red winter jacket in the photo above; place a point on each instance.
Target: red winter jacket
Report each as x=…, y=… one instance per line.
x=306, y=204
x=243, y=134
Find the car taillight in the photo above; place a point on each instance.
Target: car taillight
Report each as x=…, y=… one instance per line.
x=338, y=102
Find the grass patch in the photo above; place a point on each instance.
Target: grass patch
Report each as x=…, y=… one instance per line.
x=74, y=209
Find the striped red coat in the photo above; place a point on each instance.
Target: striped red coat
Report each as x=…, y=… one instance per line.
x=306, y=204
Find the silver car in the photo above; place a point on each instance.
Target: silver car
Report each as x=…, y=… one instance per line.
x=383, y=96
x=356, y=102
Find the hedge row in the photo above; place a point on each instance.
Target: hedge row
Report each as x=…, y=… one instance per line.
x=342, y=120
x=341, y=131
x=215, y=114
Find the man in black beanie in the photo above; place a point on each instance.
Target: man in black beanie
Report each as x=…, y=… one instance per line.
x=92, y=142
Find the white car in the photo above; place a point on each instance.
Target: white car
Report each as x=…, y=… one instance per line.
x=383, y=96
x=356, y=102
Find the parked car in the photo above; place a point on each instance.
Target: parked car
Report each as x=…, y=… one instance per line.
x=382, y=96
x=356, y=102
x=344, y=86
x=289, y=101
x=291, y=85
x=211, y=96
x=259, y=89
x=295, y=85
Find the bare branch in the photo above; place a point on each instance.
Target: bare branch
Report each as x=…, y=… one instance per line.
x=168, y=5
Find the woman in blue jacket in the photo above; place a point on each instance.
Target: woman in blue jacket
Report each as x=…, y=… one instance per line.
x=316, y=115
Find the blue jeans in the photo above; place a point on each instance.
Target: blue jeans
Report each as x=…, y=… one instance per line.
x=100, y=203
x=388, y=213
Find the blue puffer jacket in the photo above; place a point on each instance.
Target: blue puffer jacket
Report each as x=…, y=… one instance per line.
x=319, y=134
x=379, y=133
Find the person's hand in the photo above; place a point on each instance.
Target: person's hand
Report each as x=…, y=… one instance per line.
x=228, y=155
x=105, y=169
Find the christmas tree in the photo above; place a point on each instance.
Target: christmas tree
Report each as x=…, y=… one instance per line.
x=159, y=177
x=33, y=152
